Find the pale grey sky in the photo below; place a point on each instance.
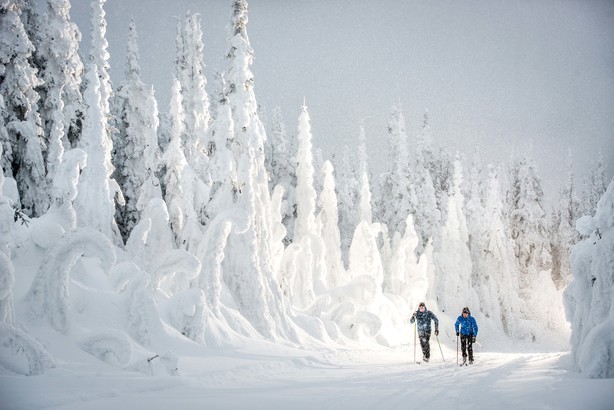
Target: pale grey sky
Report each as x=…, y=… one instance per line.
x=494, y=74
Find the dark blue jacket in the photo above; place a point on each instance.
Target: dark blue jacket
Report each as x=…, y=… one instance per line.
x=468, y=325
x=424, y=321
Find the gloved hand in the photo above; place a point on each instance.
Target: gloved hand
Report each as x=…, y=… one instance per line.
x=457, y=333
x=436, y=332
x=472, y=339
x=414, y=315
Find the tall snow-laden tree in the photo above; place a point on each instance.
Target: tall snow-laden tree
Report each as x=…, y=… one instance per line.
x=95, y=203
x=427, y=217
x=364, y=257
x=15, y=343
x=178, y=179
x=348, y=194
x=476, y=227
x=497, y=284
x=328, y=221
x=62, y=73
x=396, y=202
x=136, y=152
x=197, y=117
x=224, y=195
x=528, y=223
x=99, y=55
x=223, y=169
x=307, y=246
x=280, y=162
x=596, y=186
x=589, y=297
x=563, y=234
x=453, y=285
x=21, y=133
x=542, y=303
x=250, y=278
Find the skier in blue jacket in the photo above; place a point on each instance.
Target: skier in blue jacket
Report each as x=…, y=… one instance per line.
x=424, y=317
x=467, y=328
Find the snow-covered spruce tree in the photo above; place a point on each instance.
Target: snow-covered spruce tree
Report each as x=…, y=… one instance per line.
x=99, y=55
x=476, y=230
x=310, y=278
x=453, y=287
x=280, y=163
x=328, y=221
x=364, y=256
x=195, y=103
x=595, y=187
x=14, y=342
x=563, y=234
x=348, y=189
x=135, y=147
x=95, y=205
x=250, y=277
x=589, y=296
x=541, y=301
x=395, y=202
x=62, y=73
x=497, y=284
x=427, y=217
x=178, y=180
x=221, y=214
x=22, y=135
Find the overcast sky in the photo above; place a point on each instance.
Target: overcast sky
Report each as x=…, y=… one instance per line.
x=493, y=74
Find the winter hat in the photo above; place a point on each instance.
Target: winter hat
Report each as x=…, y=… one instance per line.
x=466, y=310
x=422, y=304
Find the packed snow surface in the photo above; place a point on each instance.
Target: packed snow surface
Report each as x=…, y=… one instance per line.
x=264, y=376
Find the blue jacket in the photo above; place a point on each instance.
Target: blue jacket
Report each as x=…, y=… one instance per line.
x=424, y=321
x=468, y=325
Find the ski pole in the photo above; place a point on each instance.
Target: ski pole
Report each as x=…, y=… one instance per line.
x=442, y=358
x=459, y=327
x=415, y=331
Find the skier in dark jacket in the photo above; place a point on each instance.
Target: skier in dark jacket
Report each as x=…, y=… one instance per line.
x=467, y=328
x=424, y=317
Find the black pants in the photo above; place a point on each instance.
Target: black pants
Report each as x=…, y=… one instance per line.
x=467, y=346
x=424, y=343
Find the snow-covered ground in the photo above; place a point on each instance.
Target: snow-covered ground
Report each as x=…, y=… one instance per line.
x=261, y=376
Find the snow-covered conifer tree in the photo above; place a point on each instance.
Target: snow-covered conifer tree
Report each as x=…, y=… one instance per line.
x=476, y=223
x=178, y=180
x=498, y=284
x=453, y=288
x=22, y=136
x=542, y=302
x=62, y=73
x=395, y=202
x=280, y=163
x=589, y=297
x=95, y=203
x=14, y=341
x=364, y=256
x=328, y=220
x=136, y=152
x=250, y=278
x=348, y=193
x=99, y=55
x=563, y=234
x=310, y=276
x=195, y=102
x=596, y=186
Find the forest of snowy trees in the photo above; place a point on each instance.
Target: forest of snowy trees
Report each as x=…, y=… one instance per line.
x=212, y=222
